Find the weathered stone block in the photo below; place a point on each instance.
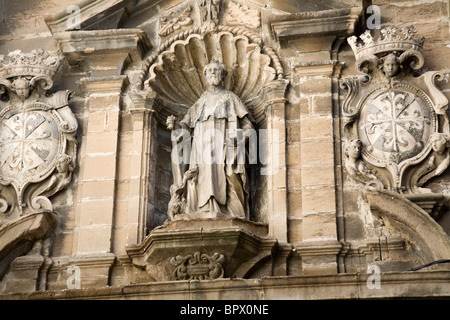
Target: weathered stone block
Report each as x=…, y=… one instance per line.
x=314, y=86
x=319, y=226
x=99, y=167
x=322, y=174
x=317, y=151
x=316, y=127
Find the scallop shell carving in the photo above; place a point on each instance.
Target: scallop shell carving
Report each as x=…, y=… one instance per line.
x=177, y=75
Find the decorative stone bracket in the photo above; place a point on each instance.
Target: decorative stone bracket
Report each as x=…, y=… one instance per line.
x=203, y=249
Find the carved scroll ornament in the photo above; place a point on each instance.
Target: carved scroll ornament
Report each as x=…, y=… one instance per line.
x=37, y=133
x=198, y=266
x=397, y=115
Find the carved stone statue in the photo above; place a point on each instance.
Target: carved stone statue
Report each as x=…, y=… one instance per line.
x=212, y=127
x=356, y=168
x=436, y=164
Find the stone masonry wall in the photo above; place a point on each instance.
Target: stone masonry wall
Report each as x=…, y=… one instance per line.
x=321, y=209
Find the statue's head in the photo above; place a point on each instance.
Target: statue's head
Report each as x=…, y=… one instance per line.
x=353, y=149
x=391, y=65
x=439, y=141
x=215, y=72
x=64, y=163
x=22, y=86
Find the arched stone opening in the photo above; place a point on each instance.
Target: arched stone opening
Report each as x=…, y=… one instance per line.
x=173, y=78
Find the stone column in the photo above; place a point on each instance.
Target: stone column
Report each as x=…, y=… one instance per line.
x=138, y=171
x=101, y=55
x=98, y=166
x=276, y=164
x=316, y=38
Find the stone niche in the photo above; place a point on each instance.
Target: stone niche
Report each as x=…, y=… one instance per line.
x=207, y=244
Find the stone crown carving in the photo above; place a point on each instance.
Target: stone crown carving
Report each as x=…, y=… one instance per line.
x=36, y=63
x=391, y=39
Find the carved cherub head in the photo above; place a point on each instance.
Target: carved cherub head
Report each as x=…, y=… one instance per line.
x=390, y=65
x=439, y=141
x=215, y=73
x=64, y=164
x=22, y=87
x=353, y=149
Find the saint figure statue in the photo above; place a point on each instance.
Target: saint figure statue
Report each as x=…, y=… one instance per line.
x=214, y=181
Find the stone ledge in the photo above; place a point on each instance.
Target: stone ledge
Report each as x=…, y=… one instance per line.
x=418, y=284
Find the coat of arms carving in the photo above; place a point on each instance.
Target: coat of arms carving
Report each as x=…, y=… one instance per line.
x=396, y=129
x=37, y=133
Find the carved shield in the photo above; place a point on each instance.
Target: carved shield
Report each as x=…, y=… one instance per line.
x=395, y=125
x=30, y=143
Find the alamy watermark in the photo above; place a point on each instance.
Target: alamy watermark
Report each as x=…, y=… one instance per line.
x=74, y=19
x=374, y=20
x=74, y=279
x=235, y=146
x=374, y=280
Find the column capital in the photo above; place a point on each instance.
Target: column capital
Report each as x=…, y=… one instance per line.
x=112, y=84
x=328, y=68
x=103, y=52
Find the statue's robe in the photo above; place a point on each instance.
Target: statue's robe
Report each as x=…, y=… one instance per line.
x=221, y=185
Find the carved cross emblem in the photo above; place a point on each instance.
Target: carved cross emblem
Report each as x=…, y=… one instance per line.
x=396, y=124
x=29, y=143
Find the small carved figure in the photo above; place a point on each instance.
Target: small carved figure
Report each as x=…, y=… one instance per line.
x=390, y=65
x=22, y=88
x=357, y=169
x=56, y=183
x=436, y=164
x=210, y=11
x=177, y=203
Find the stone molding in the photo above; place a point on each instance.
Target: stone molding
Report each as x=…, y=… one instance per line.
x=432, y=284
x=410, y=222
x=119, y=44
x=337, y=22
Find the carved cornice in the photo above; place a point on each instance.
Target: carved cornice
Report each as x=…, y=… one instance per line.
x=78, y=44
x=337, y=22
x=327, y=68
x=93, y=14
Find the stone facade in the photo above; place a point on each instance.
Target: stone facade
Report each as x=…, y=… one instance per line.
x=347, y=191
